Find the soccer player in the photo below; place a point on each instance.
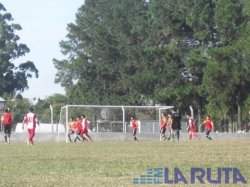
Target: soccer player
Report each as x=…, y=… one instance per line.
x=134, y=126
x=169, y=126
x=30, y=120
x=191, y=128
x=71, y=128
x=78, y=130
x=6, y=123
x=209, y=125
x=176, y=124
x=163, y=123
x=85, y=123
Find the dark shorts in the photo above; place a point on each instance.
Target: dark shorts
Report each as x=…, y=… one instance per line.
x=176, y=132
x=134, y=131
x=7, y=129
x=207, y=131
x=163, y=130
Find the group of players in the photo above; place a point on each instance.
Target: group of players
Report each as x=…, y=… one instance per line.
x=30, y=120
x=209, y=127
x=79, y=129
x=171, y=124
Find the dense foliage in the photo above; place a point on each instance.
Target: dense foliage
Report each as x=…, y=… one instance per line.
x=146, y=52
x=187, y=52
x=13, y=77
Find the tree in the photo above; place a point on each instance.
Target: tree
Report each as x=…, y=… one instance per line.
x=103, y=53
x=164, y=50
x=168, y=52
x=186, y=31
x=229, y=62
x=13, y=78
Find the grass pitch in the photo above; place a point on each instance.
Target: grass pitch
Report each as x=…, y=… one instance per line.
x=114, y=163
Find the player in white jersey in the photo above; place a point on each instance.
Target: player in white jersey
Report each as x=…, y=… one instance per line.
x=30, y=120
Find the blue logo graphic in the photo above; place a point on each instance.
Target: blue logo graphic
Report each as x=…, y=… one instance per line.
x=153, y=176
x=164, y=175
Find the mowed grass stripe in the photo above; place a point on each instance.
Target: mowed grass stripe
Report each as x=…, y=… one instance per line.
x=113, y=163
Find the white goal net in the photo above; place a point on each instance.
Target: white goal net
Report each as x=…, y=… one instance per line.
x=106, y=118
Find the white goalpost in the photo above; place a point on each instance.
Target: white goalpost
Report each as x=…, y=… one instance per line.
x=114, y=118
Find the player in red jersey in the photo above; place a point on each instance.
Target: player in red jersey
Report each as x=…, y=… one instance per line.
x=85, y=123
x=6, y=123
x=78, y=130
x=209, y=125
x=191, y=128
x=134, y=126
x=30, y=120
x=71, y=128
x=163, y=125
x=169, y=126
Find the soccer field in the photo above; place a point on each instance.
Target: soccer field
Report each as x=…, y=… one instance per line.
x=116, y=163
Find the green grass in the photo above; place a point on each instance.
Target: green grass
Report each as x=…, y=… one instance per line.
x=113, y=163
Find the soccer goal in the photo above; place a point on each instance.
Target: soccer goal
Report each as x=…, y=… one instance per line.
x=109, y=118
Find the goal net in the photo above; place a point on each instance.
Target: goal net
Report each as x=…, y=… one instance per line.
x=106, y=118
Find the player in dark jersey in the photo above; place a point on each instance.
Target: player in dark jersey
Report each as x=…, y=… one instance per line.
x=176, y=124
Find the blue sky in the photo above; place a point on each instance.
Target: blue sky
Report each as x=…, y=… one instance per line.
x=44, y=25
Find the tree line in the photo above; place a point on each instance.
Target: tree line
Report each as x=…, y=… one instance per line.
x=147, y=52
x=173, y=52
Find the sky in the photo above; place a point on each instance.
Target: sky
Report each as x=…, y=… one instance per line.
x=44, y=25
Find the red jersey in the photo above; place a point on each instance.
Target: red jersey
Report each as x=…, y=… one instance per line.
x=7, y=118
x=85, y=123
x=134, y=124
x=72, y=125
x=78, y=126
x=191, y=125
x=163, y=122
x=208, y=124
